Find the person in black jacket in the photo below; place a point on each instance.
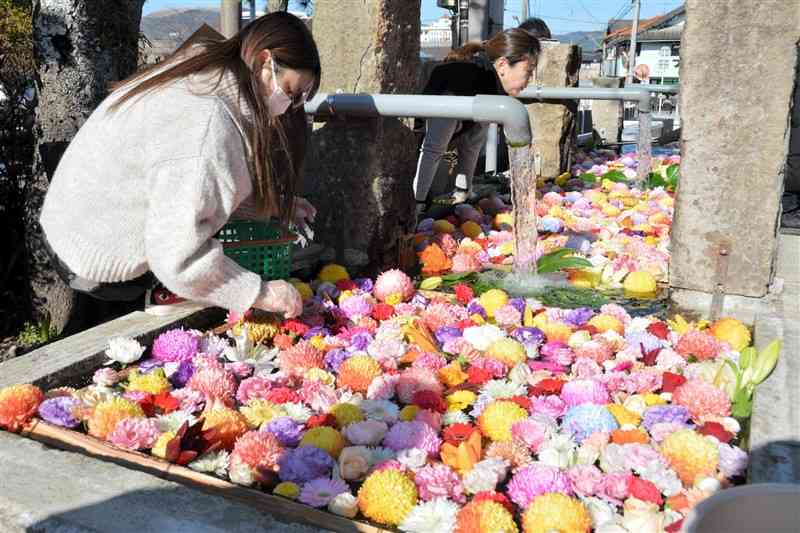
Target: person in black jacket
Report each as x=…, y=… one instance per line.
x=502, y=66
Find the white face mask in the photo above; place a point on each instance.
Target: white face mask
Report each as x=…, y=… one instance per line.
x=279, y=101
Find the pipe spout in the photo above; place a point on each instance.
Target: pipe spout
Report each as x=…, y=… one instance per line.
x=510, y=112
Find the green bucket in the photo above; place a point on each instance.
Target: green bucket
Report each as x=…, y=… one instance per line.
x=260, y=247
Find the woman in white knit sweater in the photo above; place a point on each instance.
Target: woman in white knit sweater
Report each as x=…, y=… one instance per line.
x=173, y=154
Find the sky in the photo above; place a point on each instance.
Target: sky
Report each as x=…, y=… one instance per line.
x=562, y=16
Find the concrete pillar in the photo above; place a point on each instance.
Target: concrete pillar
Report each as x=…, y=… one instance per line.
x=230, y=17
x=554, y=124
x=737, y=77
x=359, y=171
x=793, y=163
x=606, y=114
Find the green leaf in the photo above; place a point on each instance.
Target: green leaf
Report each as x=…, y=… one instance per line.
x=747, y=357
x=655, y=180
x=562, y=263
x=742, y=408
x=456, y=276
x=673, y=171
x=588, y=178
x=766, y=361
x=615, y=176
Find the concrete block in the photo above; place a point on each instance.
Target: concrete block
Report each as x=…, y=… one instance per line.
x=735, y=102
x=607, y=114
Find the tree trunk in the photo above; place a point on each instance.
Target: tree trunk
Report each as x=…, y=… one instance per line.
x=81, y=47
x=277, y=5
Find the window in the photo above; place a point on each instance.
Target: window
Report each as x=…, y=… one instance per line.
x=664, y=51
x=663, y=64
x=675, y=49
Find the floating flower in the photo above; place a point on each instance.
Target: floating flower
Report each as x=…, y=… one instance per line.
x=287, y=431
x=175, y=345
x=124, y=350
x=61, y=411
x=319, y=492
x=702, y=399
x=413, y=380
x=300, y=358
x=691, y=455
x=584, y=391
x=699, y=344
x=485, y=515
x=287, y=489
x=534, y=480
x=731, y=331
x=583, y=420
x=413, y=435
x=496, y=420
x=107, y=414
x=439, y=481
x=387, y=497
x=135, y=434
x=324, y=438
x=217, y=384
x=437, y=515
x=357, y=373
x=304, y=464
x=516, y=453
x=212, y=463
x=18, y=404
x=507, y=351
x=554, y=511
x=393, y=282
x=154, y=382
x=259, y=412
x=228, y=423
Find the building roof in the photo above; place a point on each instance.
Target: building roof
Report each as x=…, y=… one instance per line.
x=671, y=33
x=622, y=32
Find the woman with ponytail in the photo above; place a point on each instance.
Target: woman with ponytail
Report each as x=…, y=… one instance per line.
x=171, y=155
x=503, y=66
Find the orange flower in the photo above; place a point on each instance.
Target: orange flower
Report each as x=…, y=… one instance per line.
x=434, y=260
x=678, y=502
x=18, y=404
x=452, y=375
x=464, y=456
x=629, y=436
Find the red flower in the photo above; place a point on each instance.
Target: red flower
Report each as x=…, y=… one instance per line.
x=659, y=329
x=498, y=259
x=494, y=497
x=464, y=293
x=649, y=358
x=478, y=376
x=522, y=401
x=147, y=404
x=321, y=420
x=644, y=490
x=427, y=399
x=715, y=429
x=165, y=402
x=458, y=433
x=382, y=312
x=484, y=243
x=670, y=381
x=674, y=527
x=547, y=386
x=346, y=285
x=295, y=326
x=282, y=395
x=464, y=324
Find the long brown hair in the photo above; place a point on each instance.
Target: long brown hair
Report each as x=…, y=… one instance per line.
x=277, y=161
x=514, y=44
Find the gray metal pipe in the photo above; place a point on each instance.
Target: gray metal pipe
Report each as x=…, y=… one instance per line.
x=509, y=112
x=491, y=149
x=667, y=89
x=628, y=94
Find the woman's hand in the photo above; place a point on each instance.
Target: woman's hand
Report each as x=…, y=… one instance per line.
x=280, y=297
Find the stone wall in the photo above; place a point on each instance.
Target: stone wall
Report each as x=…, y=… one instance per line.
x=737, y=79
x=359, y=171
x=607, y=114
x=554, y=124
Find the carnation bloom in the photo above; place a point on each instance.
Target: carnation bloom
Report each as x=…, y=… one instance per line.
x=699, y=344
x=480, y=516
x=135, y=434
x=61, y=411
x=298, y=359
x=217, y=384
x=253, y=388
x=228, y=423
x=691, y=455
x=357, y=372
x=534, y=480
x=154, y=382
x=554, y=511
x=583, y=420
x=304, y=464
x=286, y=430
x=514, y=452
x=660, y=414
x=438, y=315
x=387, y=497
x=584, y=391
x=414, y=434
x=18, y=404
x=597, y=350
x=439, y=481
x=413, y=380
x=530, y=431
x=175, y=345
x=107, y=414
x=702, y=399
x=319, y=492
x=497, y=418
x=435, y=515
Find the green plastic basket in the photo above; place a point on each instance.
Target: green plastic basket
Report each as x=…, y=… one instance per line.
x=259, y=247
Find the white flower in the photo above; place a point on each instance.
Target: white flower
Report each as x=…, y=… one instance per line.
x=520, y=374
x=708, y=485
x=297, y=412
x=435, y=516
x=636, y=403
x=612, y=527
x=587, y=455
x=348, y=396
x=382, y=410
x=174, y=420
x=486, y=475
x=455, y=417
x=390, y=330
x=211, y=344
x=124, y=350
x=344, y=504
x=613, y=459
x=246, y=351
x=212, y=463
x=641, y=516
x=501, y=388
x=481, y=337
x=559, y=451
x=241, y=474
x=602, y=512
x=367, y=432
x=663, y=477
x=413, y=458
x=638, y=324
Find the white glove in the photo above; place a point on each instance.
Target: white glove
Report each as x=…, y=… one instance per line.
x=304, y=213
x=280, y=297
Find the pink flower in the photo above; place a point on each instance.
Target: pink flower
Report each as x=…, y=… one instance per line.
x=356, y=306
x=432, y=418
x=260, y=450
x=669, y=360
x=175, y=345
x=215, y=383
x=702, y=399
x=300, y=358
x=439, y=481
x=415, y=434
x=416, y=379
x=393, y=282
x=366, y=433
x=700, y=344
x=191, y=401
x=558, y=353
x=551, y=405
x=617, y=311
x=253, y=388
x=585, y=368
x=318, y=396
x=135, y=434
x=534, y=480
x=239, y=369
x=493, y=366
x=508, y=316
x=662, y=430
x=430, y=361
x=598, y=350
x=437, y=315
x=639, y=456
x=614, y=487
x=584, y=391
x=382, y=387
x=641, y=382
x=531, y=432
x=586, y=480
x=464, y=262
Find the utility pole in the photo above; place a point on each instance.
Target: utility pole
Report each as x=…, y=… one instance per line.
x=230, y=17
x=632, y=48
x=525, y=9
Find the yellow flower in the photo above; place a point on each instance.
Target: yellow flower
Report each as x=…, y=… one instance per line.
x=154, y=382
x=394, y=298
x=259, y=328
x=107, y=414
x=160, y=447
x=287, y=489
x=639, y=284
x=460, y=400
x=333, y=273
x=502, y=219
x=344, y=295
x=477, y=319
x=653, y=399
x=452, y=375
x=507, y=351
x=485, y=515
x=325, y=438
x=623, y=415
x=496, y=420
x=347, y=413
x=387, y=497
x=691, y=455
x=317, y=374
x=303, y=288
x=318, y=342
x=408, y=413
x=492, y=300
x=731, y=331
x=258, y=412
x=607, y=323
x=554, y=511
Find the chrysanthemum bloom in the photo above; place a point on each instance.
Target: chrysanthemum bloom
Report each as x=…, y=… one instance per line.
x=531, y=432
x=439, y=481
x=393, y=282
x=691, y=455
x=217, y=384
x=324, y=438
x=436, y=515
x=319, y=492
x=515, y=452
x=438, y=315
x=18, y=404
x=412, y=380
x=534, y=480
x=492, y=300
x=581, y=391
x=507, y=351
x=699, y=344
x=660, y=414
x=229, y=423
x=605, y=322
x=304, y=464
x=258, y=412
x=301, y=357
x=135, y=434
x=496, y=420
x=62, y=411
x=357, y=372
x=702, y=399
x=356, y=306
x=414, y=434
x=106, y=415
x=154, y=382
x=554, y=511
x=160, y=447
x=347, y=413
x=258, y=450
x=287, y=431
x=508, y=316
x=480, y=516
x=366, y=433
x=387, y=497
x=175, y=345
x=583, y=420
x=259, y=328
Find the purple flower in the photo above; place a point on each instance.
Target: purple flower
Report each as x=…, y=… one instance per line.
x=212, y=345
x=447, y=333
x=360, y=341
x=60, y=411
x=317, y=330
x=365, y=284
x=328, y=289
x=528, y=336
x=535, y=480
x=586, y=419
x=304, y=464
x=175, y=345
x=335, y=358
x=319, y=492
x=665, y=413
x=578, y=317
x=642, y=339
x=414, y=434
x=732, y=460
x=286, y=430
x=518, y=304
x=475, y=308
x=420, y=300
x=148, y=365
x=181, y=376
